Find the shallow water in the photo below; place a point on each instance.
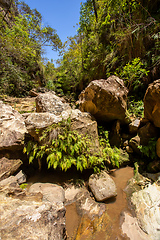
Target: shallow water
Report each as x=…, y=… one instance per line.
x=114, y=207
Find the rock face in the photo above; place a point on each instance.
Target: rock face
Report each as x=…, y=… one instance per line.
x=12, y=128
x=49, y=102
x=94, y=218
x=131, y=228
x=40, y=121
x=8, y=167
x=105, y=99
x=102, y=186
x=147, y=202
x=83, y=123
x=51, y=192
x=152, y=103
x=31, y=220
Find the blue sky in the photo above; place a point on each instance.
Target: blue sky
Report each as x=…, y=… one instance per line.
x=62, y=15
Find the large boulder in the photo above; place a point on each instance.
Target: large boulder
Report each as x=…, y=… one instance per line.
x=152, y=103
x=94, y=222
x=83, y=123
x=49, y=102
x=106, y=100
x=31, y=220
x=12, y=128
x=146, y=203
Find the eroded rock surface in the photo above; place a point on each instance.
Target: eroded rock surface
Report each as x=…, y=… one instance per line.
x=49, y=102
x=8, y=167
x=106, y=100
x=102, y=186
x=94, y=218
x=12, y=128
x=152, y=103
x=51, y=192
x=31, y=220
x=83, y=123
x=147, y=209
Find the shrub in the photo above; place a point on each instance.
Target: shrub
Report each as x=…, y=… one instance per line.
x=150, y=149
x=69, y=148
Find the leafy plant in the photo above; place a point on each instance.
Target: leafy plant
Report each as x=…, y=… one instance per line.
x=23, y=185
x=136, y=108
x=66, y=149
x=111, y=154
x=150, y=149
x=69, y=148
x=132, y=72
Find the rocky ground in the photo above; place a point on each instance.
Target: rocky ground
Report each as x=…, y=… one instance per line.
x=39, y=212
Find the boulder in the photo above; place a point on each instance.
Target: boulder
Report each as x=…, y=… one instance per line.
x=94, y=221
x=152, y=103
x=31, y=220
x=12, y=128
x=147, y=132
x=51, y=192
x=114, y=135
x=146, y=203
x=134, y=143
x=158, y=147
x=106, y=100
x=40, y=121
x=131, y=228
x=83, y=123
x=102, y=186
x=21, y=177
x=133, y=126
x=49, y=102
x=8, y=167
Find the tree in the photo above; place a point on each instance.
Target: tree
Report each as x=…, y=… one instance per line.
x=21, y=49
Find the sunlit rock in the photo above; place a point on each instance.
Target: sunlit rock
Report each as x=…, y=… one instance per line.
x=12, y=128
x=106, y=100
x=49, y=102
x=102, y=186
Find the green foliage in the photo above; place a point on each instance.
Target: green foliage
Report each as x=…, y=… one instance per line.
x=23, y=185
x=113, y=37
x=136, y=108
x=132, y=72
x=23, y=37
x=66, y=149
x=69, y=148
x=111, y=154
x=150, y=149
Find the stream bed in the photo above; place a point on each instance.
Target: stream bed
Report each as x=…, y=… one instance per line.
x=114, y=207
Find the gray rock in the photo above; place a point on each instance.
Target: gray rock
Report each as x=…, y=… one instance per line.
x=21, y=177
x=131, y=228
x=51, y=192
x=71, y=193
x=146, y=203
x=8, y=167
x=12, y=128
x=83, y=123
x=31, y=220
x=10, y=181
x=102, y=186
x=49, y=102
x=133, y=126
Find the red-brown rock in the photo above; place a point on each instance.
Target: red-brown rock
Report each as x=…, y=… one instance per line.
x=106, y=100
x=152, y=103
